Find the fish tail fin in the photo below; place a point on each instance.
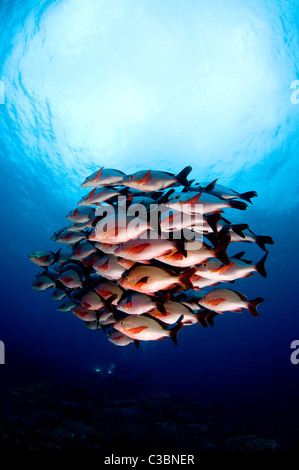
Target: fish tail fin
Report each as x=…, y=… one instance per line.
x=160, y=303
x=260, y=266
x=182, y=176
x=181, y=246
x=213, y=220
x=238, y=229
x=262, y=239
x=210, y=318
x=247, y=196
x=212, y=239
x=108, y=303
x=201, y=318
x=242, y=206
x=220, y=250
x=252, y=304
x=163, y=199
x=125, y=191
x=56, y=255
x=173, y=333
x=185, y=277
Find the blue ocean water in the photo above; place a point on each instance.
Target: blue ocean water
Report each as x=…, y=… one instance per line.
x=137, y=85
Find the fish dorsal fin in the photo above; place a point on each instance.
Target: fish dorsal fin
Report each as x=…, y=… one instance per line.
x=211, y=186
x=246, y=261
x=195, y=199
x=157, y=320
x=146, y=178
x=99, y=173
x=130, y=198
x=241, y=296
x=92, y=193
x=169, y=271
x=238, y=255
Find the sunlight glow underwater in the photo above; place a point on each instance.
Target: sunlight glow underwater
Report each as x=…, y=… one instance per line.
x=123, y=83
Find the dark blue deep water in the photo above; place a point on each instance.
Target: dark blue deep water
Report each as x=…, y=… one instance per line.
x=134, y=85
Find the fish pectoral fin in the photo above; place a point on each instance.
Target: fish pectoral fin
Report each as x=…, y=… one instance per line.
x=224, y=269
x=137, y=329
x=177, y=256
x=86, y=305
x=105, y=265
x=140, y=248
x=216, y=302
x=142, y=281
x=146, y=179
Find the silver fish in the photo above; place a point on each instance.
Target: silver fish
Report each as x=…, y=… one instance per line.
x=98, y=195
x=143, y=328
x=150, y=279
x=150, y=180
x=71, y=279
x=104, y=177
x=44, y=258
x=81, y=214
x=226, y=300
x=43, y=282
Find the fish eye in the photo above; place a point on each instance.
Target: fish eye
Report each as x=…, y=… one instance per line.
x=205, y=265
x=122, y=322
x=131, y=177
x=126, y=278
x=177, y=197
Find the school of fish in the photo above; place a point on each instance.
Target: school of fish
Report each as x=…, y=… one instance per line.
x=146, y=253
